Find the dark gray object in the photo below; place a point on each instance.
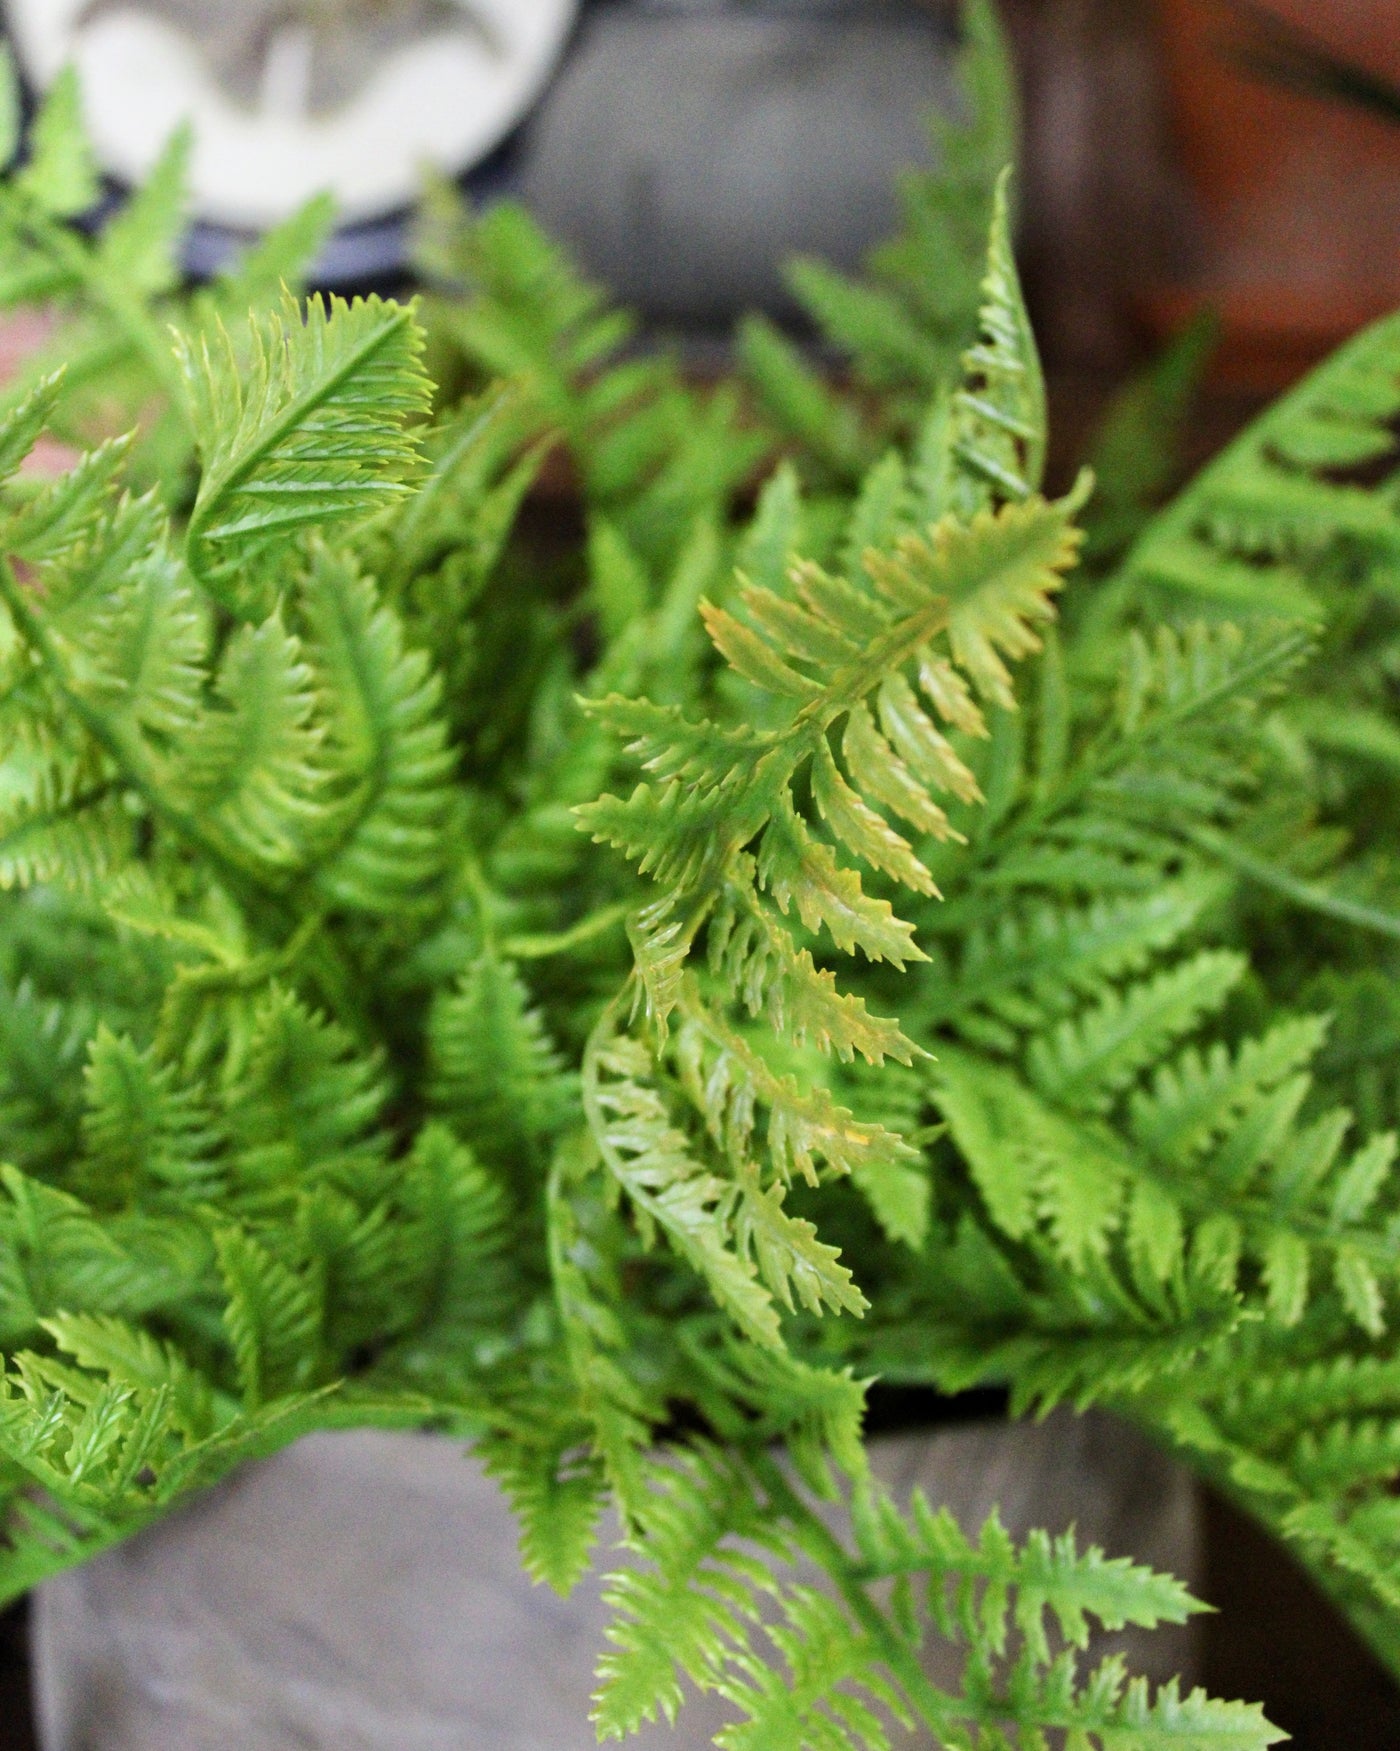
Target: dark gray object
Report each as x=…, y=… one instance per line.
x=361, y=1592
x=686, y=151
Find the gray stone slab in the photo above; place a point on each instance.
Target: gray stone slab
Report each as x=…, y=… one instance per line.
x=361, y=1592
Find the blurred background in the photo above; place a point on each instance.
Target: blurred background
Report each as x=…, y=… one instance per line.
x=1236, y=155
x=1239, y=156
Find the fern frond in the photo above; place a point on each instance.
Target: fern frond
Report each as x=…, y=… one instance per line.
x=1173, y=761
x=719, y=826
x=1030, y=1163
x=304, y=1107
x=621, y=1410
x=693, y=1604
x=833, y=1693
x=460, y=1278
x=982, y=586
x=24, y=423
x=1083, y=1064
x=1020, y=1589
x=654, y=453
x=1256, y=529
x=63, y=820
x=43, y=1044
x=908, y=319
x=120, y=610
x=64, y=1258
x=729, y=1227
x=1021, y=968
x=1217, y=1154
x=60, y=177
x=795, y=396
x=997, y=437
x=272, y=1318
x=144, y=1137
x=851, y=1666
x=1195, y=1097
x=139, y=247
x=130, y=1357
x=729, y=1084
x=385, y=749
x=258, y=275
x=307, y=431
x=61, y=514
x=555, y=1487
x=250, y=767
x=497, y=1077
x=757, y=1396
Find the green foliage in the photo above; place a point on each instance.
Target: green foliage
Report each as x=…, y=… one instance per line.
x=613, y=997
x=849, y=1668
x=1264, y=526
x=302, y=431
x=906, y=322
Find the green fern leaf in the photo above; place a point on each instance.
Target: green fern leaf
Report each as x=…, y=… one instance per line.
x=132, y=1358
x=496, y=1075
x=464, y=1284
x=556, y=1490
x=1086, y=1063
x=308, y=430
x=385, y=750
x=1027, y=965
x=281, y=257
x=143, y=1136
x=997, y=430
x=250, y=767
x=303, y=1110
x=24, y=423
x=272, y=1318
x=681, y=1614
x=1195, y=1097
x=1251, y=533
x=61, y=176
x=833, y=1694
x=139, y=248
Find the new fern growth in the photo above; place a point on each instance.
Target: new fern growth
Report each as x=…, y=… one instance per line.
x=450, y=976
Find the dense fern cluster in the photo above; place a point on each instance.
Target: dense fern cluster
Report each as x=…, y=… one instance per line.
x=613, y=998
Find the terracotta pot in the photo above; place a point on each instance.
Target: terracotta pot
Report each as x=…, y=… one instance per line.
x=1300, y=196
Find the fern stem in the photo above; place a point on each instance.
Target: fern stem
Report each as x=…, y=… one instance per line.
x=1303, y=893
x=562, y=942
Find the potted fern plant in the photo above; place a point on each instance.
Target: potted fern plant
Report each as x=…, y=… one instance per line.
x=611, y=1000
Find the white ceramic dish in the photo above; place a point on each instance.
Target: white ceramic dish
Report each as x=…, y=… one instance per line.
x=459, y=77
